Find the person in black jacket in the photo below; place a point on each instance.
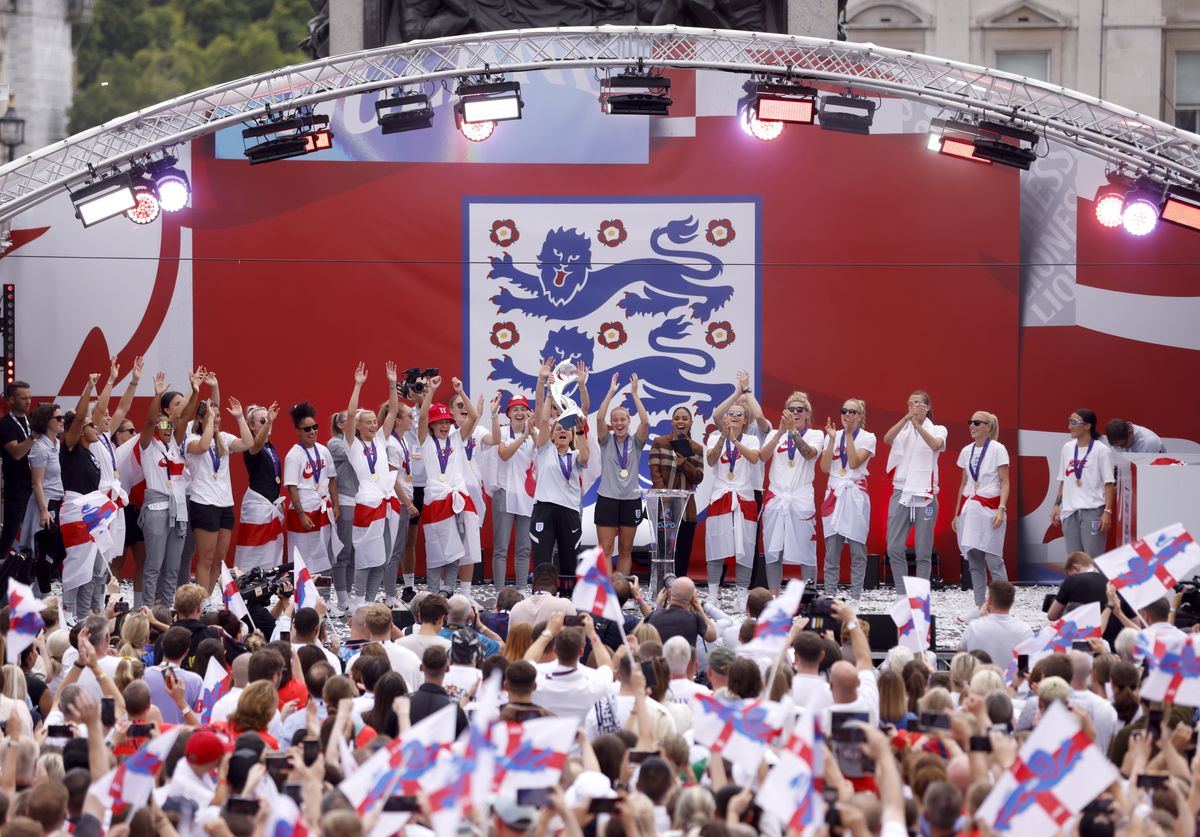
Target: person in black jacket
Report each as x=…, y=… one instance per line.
x=431, y=697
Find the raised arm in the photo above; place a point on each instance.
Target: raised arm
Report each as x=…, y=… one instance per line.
x=203, y=443
x=542, y=418
x=75, y=431
x=539, y=393
x=602, y=413
x=154, y=410
x=189, y=408
x=130, y=391
x=585, y=401
x=258, y=439
x=787, y=423
x=643, y=431
x=360, y=378
x=741, y=382
x=507, y=449
x=245, y=440
x=393, y=399
x=827, y=453
x=494, y=436
x=102, y=397
x=854, y=456
x=472, y=413
x=754, y=410
x=426, y=401
x=714, y=452
x=895, y=429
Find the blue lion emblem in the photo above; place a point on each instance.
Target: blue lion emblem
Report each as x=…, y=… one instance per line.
x=93, y=516
x=566, y=286
x=670, y=373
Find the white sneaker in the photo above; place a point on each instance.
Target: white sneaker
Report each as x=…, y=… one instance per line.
x=334, y=610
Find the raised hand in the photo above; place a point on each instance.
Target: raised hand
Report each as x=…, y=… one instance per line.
x=114, y=369
x=137, y=368
x=479, y=405
x=235, y=408
x=633, y=385
x=160, y=383
x=495, y=404
x=788, y=421
x=360, y=373
x=616, y=383
x=435, y=383
x=830, y=430
x=272, y=412
x=547, y=367
x=211, y=379
x=743, y=380
x=92, y=379
x=389, y=369
x=457, y=386
x=581, y=372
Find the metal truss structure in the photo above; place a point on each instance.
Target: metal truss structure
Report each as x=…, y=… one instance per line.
x=1126, y=140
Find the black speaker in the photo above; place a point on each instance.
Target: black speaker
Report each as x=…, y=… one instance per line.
x=910, y=556
x=871, y=581
x=884, y=636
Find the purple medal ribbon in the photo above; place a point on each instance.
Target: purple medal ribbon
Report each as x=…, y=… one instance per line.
x=316, y=466
x=270, y=449
x=622, y=455
x=108, y=446
x=404, y=450
x=443, y=456
x=216, y=459
x=371, y=454
x=974, y=472
x=791, y=443
x=842, y=449
x=470, y=448
x=1080, y=464
x=568, y=467
x=732, y=453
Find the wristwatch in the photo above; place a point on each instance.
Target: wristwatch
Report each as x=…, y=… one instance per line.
x=747, y=390
x=852, y=624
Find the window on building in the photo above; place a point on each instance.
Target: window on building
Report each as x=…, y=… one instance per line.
x=1187, y=91
x=1031, y=63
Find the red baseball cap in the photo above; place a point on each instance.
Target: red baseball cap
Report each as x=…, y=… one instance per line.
x=439, y=412
x=205, y=747
x=518, y=401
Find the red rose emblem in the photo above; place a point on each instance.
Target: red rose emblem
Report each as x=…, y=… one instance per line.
x=504, y=232
x=720, y=232
x=720, y=334
x=612, y=335
x=612, y=233
x=505, y=335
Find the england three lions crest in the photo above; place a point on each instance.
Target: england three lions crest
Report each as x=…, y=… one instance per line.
x=664, y=289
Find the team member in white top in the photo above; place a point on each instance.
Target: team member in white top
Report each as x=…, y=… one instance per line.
x=374, y=518
x=618, y=501
x=479, y=450
x=210, y=509
x=981, y=522
x=562, y=455
x=512, y=500
x=789, y=510
x=105, y=452
x=449, y=520
x=1086, y=487
x=757, y=428
x=732, y=512
x=400, y=457
x=913, y=463
x=846, y=511
x=310, y=480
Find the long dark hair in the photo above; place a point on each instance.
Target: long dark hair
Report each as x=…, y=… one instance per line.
x=381, y=717
x=1089, y=417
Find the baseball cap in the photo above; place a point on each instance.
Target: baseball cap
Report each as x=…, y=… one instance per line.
x=514, y=815
x=204, y=747
x=720, y=659
x=464, y=647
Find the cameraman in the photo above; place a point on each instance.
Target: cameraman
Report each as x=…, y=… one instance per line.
x=257, y=593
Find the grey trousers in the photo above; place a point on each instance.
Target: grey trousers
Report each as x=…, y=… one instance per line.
x=393, y=563
x=899, y=521
x=81, y=601
x=342, y=564
x=175, y=577
x=442, y=578
x=1081, y=531
x=164, y=545
x=833, y=566
x=368, y=580
x=503, y=524
x=980, y=564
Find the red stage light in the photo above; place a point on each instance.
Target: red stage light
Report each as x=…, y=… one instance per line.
x=145, y=208
x=1181, y=212
x=780, y=109
x=761, y=129
x=963, y=149
x=318, y=141
x=477, y=131
x=1108, y=209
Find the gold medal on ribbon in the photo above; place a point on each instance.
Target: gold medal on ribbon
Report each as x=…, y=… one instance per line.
x=441, y=477
x=841, y=472
x=624, y=473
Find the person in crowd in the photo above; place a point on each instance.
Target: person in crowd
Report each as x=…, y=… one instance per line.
x=1086, y=487
x=543, y=602
x=916, y=443
x=431, y=695
x=260, y=521
x=399, y=456
x=677, y=464
x=789, y=510
x=374, y=518
x=565, y=685
x=619, y=500
x=512, y=499
x=432, y=612
x=683, y=664
x=732, y=511
x=1085, y=584
x=846, y=510
x=310, y=480
x=450, y=518
x=463, y=615
x=996, y=631
x=347, y=482
x=16, y=440
x=1126, y=436
x=682, y=615
x=562, y=454
x=984, y=490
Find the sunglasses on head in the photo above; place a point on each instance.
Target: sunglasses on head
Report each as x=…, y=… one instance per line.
x=847, y=411
x=308, y=428
x=977, y=422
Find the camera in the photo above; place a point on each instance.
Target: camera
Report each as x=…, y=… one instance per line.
x=820, y=615
x=258, y=585
x=413, y=385
x=1188, y=613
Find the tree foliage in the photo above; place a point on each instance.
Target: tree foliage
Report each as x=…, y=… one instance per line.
x=136, y=53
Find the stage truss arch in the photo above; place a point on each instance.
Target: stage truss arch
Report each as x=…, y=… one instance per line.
x=1124, y=139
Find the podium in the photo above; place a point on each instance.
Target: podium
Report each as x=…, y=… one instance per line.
x=665, y=508
x=1155, y=490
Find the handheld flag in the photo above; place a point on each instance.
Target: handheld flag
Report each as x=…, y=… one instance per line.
x=1081, y=623
x=1146, y=570
x=131, y=782
x=532, y=754
x=217, y=683
x=84, y=521
x=302, y=581
x=1174, y=671
x=24, y=619
x=741, y=730
x=285, y=819
x=594, y=592
x=792, y=790
x=1057, y=772
x=912, y=615
x=775, y=622
x=230, y=594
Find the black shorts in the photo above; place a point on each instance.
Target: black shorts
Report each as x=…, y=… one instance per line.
x=418, y=498
x=133, y=532
x=610, y=512
x=210, y=518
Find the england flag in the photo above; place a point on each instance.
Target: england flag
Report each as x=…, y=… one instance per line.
x=775, y=623
x=740, y=730
x=1080, y=624
x=131, y=782
x=399, y=767
x=24, y=619
x=792, y=790
x=912, y=615
x=84, y=521
x=232, y=597
x=285, y=818
x=1174, y=670
x=217, y=683
x=303, y=583
x=531, y=754
x=1146, y=570
x=594, y=592
x=1057, y=772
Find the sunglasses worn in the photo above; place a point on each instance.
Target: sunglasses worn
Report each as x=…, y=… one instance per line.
x=309, y=428
x=1074, y=422
x=977, y=422
x=797, y=409
x=846, y=411
x=57, y=418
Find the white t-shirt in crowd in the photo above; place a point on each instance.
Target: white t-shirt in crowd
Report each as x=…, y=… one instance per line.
x=404, y=662
x=210, y=472
x=867, y=701
x=309, y=469
x=572, y=692
x=994, y=455
x=811, y=688
x=552, y=485
x=682, y=690
x=741, y=477
x=798, y=476
x=1097, y=468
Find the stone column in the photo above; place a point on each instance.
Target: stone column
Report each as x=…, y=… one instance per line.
x=812, y=18
x=345, y=26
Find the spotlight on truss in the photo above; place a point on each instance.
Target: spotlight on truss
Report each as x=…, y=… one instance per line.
x=635, y=93
x=404, y=112
x=279, y=139
x=848, y=114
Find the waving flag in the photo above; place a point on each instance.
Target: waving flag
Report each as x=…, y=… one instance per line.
x=1081, y=623
x=594, y=592
x=462, y=780
x=793, y=789
x=775, y=622
x=1146, y=570
x=285, y=819
x=1057, y=772
x=740, y=730
x=232, y=597
x=400, y=766
x=302, y=581
x=912, y=615
x=84, y=520
x=1174, y=670
x=532, y=754
x=217, y=683
x=24, y=619
x=131, y=782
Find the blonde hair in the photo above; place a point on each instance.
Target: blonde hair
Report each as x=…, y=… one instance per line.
x=645, y=632
x=128, y=670
x=135, y=633
x=198, y=424
x=14, y=683
x=994, y=433
x=936, y=699
x=256, y=707
x=962, y=668
x=862, y=411
x=985, y=680
x=802, y=397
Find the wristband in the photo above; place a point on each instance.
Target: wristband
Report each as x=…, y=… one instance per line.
x=852, y=624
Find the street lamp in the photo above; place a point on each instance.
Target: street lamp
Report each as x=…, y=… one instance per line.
x=12, y=129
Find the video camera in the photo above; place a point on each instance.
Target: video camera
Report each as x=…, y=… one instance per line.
x=413, y=385
x=1188, y=613
x=819, y=610
x=258, y=585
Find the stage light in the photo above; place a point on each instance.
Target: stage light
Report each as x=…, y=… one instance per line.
x=954, y=139
x=1109, y=202
x=291, y=137
x=104, y=199
x=1182, y=207
x=761, y=129
x=146, y=210
x=790, y=103
x=642, y=94
x=497, y=101
x=1006, y=144
x=848, y=114
x=475, y=131
x=1140, y=213
x=404, y=112
x=171, y=183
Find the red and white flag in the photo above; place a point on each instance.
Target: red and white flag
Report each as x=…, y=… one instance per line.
x=775, y=623
x=740, y=730
x=285, y=818
x=1057, y=772
x=230, y=594
x=793, y=790
x=131, y=782
x=318, y=543
x=594, y=591
x=1174, y=670
x=24, y=619
x=1080, y=624
x=912, y=615
x=1146, y=570
x=84, y=521
x=369, y=525
x=531, y=754
x=259, y=533
x=217, y=683
x=302, y=582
